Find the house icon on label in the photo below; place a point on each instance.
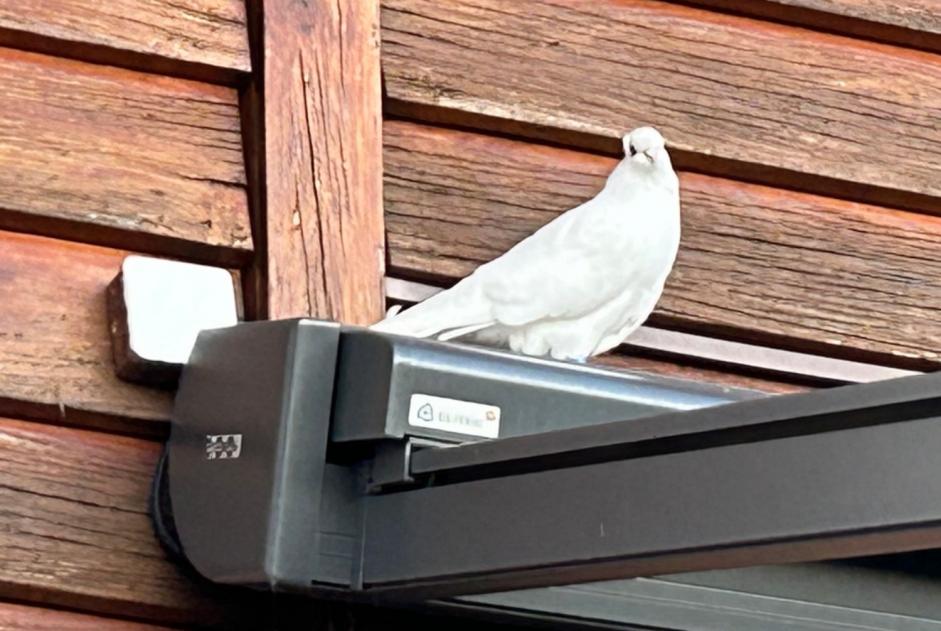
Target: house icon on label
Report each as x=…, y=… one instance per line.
x=426, y=413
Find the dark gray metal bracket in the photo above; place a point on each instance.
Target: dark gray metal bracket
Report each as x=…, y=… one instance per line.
x=391, y=465
x=297, y=462
x=794, y=597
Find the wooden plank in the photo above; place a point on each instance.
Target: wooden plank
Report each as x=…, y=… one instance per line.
x=915, y=23
x=785, y=269
x=74, y=533
x=120, y=158
x=252, y=110
x=24, y=618
x=763, y=102
x=323, y=154
x=700, y=374
x=54, y=344
x=74, y=530
x=764, y=359
x=199, y=39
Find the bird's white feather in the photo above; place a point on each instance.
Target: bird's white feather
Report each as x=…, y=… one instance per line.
x=579, y=285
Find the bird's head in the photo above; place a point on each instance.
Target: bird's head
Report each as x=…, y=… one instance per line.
x=645, y=146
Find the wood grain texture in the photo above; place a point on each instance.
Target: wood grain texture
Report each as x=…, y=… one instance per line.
x=74, y=533
x=915, y=23
x=74, y=529
x=252, y=110
x=756, y=264
x=324, y=160
x=764, y=102
x=120, y=158
x=699, y=374
x=25, y=618
x=918, y=15
x=55, y=350
x=204, y=39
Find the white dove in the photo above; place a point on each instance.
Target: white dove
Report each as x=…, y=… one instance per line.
x=579, y=285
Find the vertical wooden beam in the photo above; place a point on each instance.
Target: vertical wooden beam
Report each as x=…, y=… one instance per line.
x=323, y=159
x=252, y=116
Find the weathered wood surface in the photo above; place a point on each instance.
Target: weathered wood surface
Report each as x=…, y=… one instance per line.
x=74, y=529
x=74, y=533
x=25, y=618
x=55, y=351
x=323, y=155
x=200, y=38
x=917, y=15
x=121, y=158
x=760, y=101
x=700, y=374
x=251, y=106
x=756, y=264
x=915, y=23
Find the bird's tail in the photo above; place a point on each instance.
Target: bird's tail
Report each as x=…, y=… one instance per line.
x=445, y=316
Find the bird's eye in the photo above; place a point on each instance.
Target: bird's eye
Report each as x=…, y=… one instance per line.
x=632, y=150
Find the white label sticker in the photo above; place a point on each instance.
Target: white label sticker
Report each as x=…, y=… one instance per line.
x=454, y=415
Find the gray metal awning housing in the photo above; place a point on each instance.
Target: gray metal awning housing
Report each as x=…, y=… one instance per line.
x=335, y=485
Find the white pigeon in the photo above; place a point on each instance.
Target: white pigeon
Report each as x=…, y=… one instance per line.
x=579, y=285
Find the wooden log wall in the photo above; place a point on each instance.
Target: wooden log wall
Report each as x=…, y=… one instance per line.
x=808, y=159
x=120, y=132
x=807, y=133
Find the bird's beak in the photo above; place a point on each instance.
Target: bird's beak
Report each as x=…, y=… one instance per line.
x=649, y=155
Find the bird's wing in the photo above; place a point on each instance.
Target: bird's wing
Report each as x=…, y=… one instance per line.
x=507, y=290
x=570, y=267
x=565, y=270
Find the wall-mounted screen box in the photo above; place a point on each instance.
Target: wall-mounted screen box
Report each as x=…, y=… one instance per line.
x=310, y=457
